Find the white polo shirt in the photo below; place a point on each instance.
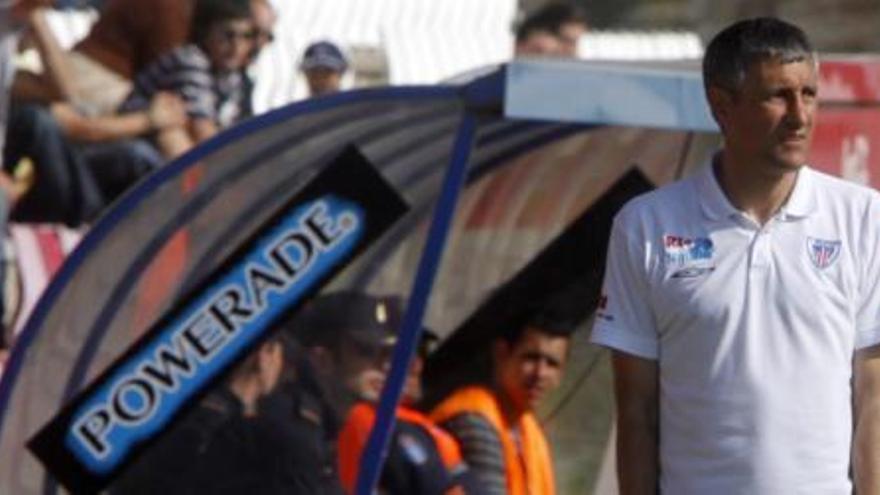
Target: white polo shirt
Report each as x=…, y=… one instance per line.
x=754, y=329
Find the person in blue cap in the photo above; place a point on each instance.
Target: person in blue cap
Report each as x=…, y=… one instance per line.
x=323, y=65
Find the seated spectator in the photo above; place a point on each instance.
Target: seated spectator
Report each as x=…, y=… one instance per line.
x=323, y=65
x=128, y=36
x=264, y=17
x=565, y=21
x=81, y=162
x=534, y=42
x=206, y=74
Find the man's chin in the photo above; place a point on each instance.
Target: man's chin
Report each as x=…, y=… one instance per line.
x=534, y=399
x=790, y=161
x=791, y=158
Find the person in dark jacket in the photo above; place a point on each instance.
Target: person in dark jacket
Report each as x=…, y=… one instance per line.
x=246, y=437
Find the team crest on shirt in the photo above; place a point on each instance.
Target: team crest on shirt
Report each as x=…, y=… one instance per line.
x=823, y=253
x=691, y=256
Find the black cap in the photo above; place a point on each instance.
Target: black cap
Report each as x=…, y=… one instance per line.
x=324, y=54
x=364, y=318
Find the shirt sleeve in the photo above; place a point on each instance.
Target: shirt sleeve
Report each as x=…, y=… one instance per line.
x=191, y=79
x=481, y=449
x=624, y=319
x=868, y=310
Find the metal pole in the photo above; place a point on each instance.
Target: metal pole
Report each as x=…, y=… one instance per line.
x=373, y=456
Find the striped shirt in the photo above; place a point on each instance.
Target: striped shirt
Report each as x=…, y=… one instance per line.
x=186, y=72
x=481, y=449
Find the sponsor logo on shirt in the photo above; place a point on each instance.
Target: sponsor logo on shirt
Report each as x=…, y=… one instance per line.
x=823, y=253
x=602, y=309
x=691, y=256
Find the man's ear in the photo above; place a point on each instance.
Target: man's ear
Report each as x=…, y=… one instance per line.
x=270, y=364
x=270, y=353
x=720, y=102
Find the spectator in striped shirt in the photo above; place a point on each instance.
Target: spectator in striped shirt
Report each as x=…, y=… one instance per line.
x=206, y=74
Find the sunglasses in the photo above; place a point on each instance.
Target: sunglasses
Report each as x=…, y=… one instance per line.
x=264, y=36
x=230, y=35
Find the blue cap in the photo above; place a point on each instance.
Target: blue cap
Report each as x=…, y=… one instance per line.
x=324, y=54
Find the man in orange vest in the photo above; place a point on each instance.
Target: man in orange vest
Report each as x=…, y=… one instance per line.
x=495, y=424
x=422, y=457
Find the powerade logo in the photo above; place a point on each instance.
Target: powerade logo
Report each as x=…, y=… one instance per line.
x=144, y=393
x=311, y=237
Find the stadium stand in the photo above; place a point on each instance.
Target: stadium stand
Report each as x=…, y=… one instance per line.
x=393, y=42
x=409, y=41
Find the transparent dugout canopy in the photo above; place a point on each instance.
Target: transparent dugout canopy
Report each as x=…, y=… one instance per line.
x=511, y=176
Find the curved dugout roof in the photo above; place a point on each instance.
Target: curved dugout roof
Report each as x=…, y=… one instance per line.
x=536, y=145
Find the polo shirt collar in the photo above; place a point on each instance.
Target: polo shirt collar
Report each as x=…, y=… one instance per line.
x=801, y=202
x=716, y=206
x=713, y=201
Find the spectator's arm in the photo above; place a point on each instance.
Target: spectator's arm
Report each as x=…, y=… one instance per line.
x=636, y=389
x=57, y=73
x=866, y=438
x=27, y=86
x=174, y=142
x=166, y=111
x=78, y=127
x=202, y=129
x=481, y=449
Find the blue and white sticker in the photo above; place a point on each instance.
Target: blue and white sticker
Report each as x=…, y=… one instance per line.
x=689, y=256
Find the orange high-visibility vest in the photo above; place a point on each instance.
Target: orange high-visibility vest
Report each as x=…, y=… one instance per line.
x=356, y=431
x=529, y=472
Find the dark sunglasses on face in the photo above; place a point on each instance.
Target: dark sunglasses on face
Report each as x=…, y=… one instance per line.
x=264, y=36
x=229, y=35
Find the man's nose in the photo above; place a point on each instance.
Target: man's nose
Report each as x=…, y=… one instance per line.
x=543, y=369
x=800, y=110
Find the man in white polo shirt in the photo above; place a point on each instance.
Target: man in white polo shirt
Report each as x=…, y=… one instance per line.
x=743, y=303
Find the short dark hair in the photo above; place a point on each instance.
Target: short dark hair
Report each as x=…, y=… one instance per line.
x=731, y=52
x=557, y=315
x=550, y=18
x=206, y=13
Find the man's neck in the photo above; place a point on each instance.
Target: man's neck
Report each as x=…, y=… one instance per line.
x=759, y=192
x=511, y=413
x=247, y=390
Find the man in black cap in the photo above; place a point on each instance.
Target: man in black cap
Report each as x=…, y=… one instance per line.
x=348, y=338
x=323, y=65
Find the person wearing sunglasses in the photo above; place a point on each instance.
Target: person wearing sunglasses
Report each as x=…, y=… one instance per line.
x=206, y=73
x=264, y=18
